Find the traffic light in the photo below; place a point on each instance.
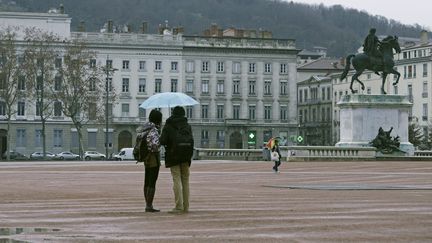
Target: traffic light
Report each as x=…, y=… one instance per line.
x=252, y=137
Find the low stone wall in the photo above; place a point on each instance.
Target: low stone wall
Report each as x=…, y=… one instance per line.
x=423, y=153
x=307, y=153
x=229, y=154
x=289, y=153
x=310, y=153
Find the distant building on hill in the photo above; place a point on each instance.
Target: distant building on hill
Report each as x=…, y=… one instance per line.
x=306, y=56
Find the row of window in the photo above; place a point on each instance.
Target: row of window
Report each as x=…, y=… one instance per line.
x=220, y=66
x=205, y=86
x=416, y=53
x=221, y=112
x=142, y=83
x=410, y=71
x=21, y=108
x=303, y=94
x=315, y=115
x=22, y=139
x=125, y=109
x=190, y=66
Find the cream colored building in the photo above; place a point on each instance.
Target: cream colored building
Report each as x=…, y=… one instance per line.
x=244, y=86
x=314, y=103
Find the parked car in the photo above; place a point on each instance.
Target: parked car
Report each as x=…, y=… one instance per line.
x=68, y=156
x=93, y=155
x=14, y=155
x=124, y=154
x=39, y=156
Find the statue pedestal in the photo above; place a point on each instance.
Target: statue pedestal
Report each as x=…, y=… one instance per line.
x=361, y=116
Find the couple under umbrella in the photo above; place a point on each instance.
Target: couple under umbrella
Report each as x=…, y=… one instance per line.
x=179, y=147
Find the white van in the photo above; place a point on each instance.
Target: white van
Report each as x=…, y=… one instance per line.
x=124, y=154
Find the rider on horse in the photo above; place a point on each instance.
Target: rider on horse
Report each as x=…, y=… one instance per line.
x=371, y=48
x=382, y=61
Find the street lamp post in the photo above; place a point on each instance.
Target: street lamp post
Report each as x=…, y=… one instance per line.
x=108, y=69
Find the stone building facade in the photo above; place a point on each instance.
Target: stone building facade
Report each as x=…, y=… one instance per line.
x=243, y=85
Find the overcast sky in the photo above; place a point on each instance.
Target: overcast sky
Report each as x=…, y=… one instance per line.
x=407, y=12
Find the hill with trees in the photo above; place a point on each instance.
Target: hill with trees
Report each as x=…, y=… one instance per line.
x=339, y=29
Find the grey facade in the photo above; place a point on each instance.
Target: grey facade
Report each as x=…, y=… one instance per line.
x=242, y=84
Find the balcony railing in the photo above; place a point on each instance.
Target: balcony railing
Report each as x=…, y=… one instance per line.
x=127, y=120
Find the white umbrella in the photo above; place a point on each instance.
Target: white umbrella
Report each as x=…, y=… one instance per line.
x=168, y=99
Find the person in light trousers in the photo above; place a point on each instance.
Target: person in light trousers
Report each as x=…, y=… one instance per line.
x=178, y=155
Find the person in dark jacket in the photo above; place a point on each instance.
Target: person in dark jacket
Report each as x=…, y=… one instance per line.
x=151, y=157
x=178, y=156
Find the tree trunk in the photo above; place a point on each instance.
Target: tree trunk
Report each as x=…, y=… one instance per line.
x=80, y=144
x=8, y=139
x=78, y=127
x=43, y=139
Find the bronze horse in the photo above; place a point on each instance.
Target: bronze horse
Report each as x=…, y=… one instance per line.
x=362, y=62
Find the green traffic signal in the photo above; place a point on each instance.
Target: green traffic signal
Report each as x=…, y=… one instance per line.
x=252, y=137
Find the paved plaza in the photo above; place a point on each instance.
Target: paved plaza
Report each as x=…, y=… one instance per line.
x=231, y=201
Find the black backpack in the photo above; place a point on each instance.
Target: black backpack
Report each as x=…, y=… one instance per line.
x=183, y=142
x=140, y=149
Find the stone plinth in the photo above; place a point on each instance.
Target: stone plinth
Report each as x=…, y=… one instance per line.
x=362, y=115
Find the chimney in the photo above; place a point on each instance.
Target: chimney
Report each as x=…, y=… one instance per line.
x=81, y=26
x=342, y=61
x=219, y=32
x=424, y=38
x=110, y=26
x=61, y=9
x=240, y=33
x=144, y=27
x=129, y=28
x=160, y=29
x=265, y=34
x=213, y=29
x=180, y=29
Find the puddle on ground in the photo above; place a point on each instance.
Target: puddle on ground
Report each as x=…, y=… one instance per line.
x=12, y=241
x=355, y=187
x=17, y=231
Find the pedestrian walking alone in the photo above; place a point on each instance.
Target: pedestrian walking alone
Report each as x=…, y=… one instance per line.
x=275, y=149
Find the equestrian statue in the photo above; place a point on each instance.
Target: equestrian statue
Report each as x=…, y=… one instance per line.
x=377, y=57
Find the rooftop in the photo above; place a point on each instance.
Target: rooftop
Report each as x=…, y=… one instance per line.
x=325, y=63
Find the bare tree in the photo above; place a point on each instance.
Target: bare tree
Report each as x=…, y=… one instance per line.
x=41, y=52
x=11, y=83
x=82, y=88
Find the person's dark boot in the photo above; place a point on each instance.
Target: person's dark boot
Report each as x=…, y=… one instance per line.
x=145, y=194
x=149, y=195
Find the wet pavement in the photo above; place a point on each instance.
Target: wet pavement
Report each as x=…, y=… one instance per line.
x=231, y=201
